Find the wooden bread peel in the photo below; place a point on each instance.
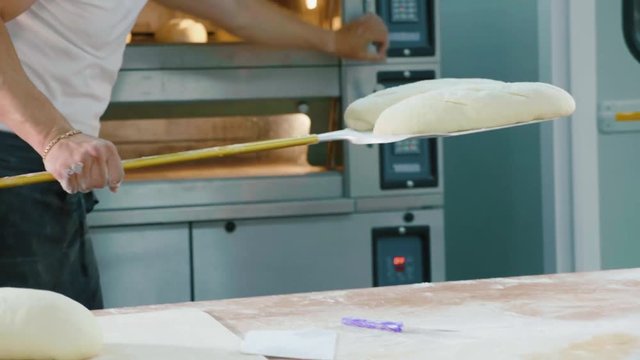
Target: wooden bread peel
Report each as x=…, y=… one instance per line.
x=355, y=137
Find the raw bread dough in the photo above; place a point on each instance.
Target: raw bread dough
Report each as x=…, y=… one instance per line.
x=182, y=31
x=37, y=324
x=465, y=107
x=362, y=114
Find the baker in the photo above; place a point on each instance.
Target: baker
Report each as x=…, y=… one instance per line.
x=58, y=63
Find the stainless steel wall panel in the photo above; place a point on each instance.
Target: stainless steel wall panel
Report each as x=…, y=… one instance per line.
x=156, y=57
x=143, y=265
x=226, y=84
x=264, y=257
x=220, y=212
x=388, y=203
x=156, y=194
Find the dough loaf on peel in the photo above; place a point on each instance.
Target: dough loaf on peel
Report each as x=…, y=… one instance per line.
x=362, y=114
x=38, y=325
x=472, y=107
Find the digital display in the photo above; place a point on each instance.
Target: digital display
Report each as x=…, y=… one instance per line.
x=411, y=25
x=401, y=259
x=407, y=147
x=405, y=36
x=408, y=168
x=399, y=263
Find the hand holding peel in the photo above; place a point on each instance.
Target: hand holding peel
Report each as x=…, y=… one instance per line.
x=82, y=163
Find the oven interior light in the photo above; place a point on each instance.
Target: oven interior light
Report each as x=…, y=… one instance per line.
x=312, y=4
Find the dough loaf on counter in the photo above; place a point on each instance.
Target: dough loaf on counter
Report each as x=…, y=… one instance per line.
x=39, y=325
x=451, y=105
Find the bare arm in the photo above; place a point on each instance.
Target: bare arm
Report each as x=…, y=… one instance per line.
x=263, y=22
x=28, y=112
x=9, y=9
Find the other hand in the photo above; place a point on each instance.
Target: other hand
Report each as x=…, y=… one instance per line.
x=353, y=40
x=83, y=163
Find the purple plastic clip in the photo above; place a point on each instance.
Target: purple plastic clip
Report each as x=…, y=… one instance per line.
x=392, y=326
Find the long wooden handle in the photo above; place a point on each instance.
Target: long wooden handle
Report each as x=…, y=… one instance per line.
x=149, y=161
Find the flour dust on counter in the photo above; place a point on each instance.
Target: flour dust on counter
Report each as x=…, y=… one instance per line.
x=43, y=325
x=609, y=346
x=573, y=316
x=481, y=331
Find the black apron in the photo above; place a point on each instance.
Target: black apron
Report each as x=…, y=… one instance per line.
x=44, y=243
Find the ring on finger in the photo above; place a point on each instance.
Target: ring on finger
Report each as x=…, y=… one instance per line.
x=75, y=168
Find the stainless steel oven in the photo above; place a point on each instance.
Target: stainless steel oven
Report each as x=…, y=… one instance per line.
x=298, y=219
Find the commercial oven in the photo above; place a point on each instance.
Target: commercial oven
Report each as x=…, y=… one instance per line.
x=302, y=219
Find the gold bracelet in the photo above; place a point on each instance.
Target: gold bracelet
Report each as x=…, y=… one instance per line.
x=53, y=142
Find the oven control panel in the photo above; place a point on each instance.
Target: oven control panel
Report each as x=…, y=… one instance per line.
x=408, y=164
x=404, y=11
x=411, y=26
x=412, y=163
x=401, y=256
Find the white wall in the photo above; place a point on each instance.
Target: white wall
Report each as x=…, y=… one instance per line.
x=493, y=180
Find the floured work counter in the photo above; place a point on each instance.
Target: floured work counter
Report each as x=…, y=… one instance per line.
x=567, y=316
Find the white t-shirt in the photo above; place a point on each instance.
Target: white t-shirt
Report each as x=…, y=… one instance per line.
x=72, y=51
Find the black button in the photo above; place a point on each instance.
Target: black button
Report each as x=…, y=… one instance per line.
x=409, y=217
x=230, y=227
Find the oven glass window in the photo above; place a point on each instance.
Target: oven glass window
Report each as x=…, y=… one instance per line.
x=631, y=15
x=160, y=24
